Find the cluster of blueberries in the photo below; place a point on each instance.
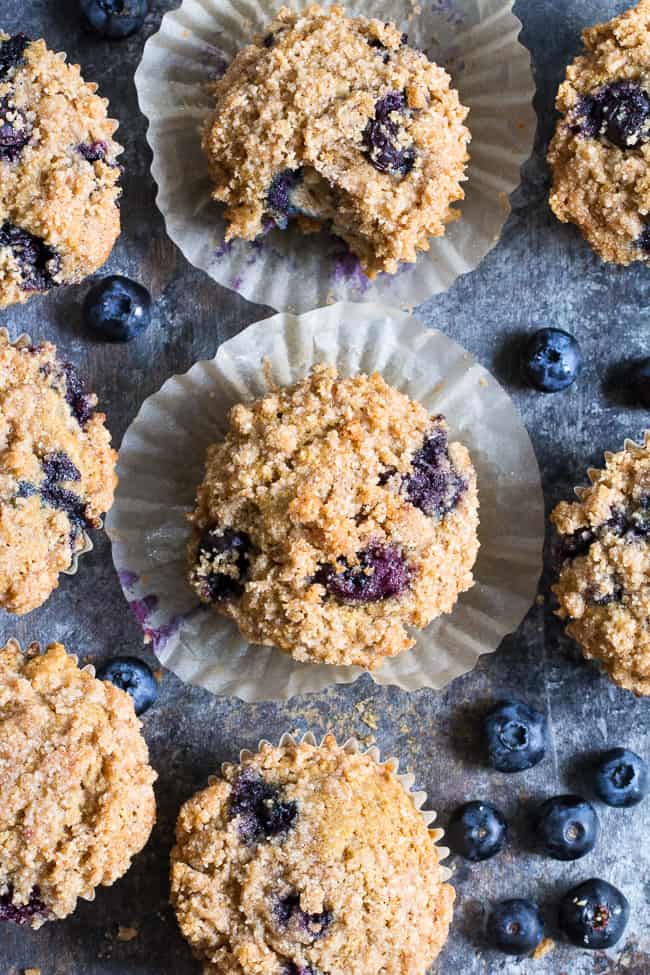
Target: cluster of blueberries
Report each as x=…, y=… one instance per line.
x=595, y=913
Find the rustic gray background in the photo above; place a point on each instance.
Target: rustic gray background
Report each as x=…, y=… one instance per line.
x=541, y=273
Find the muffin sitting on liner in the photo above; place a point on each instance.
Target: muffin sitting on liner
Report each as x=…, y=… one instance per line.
x=600, y=153
x=604, y=579
x=57, y=471
x=59, y=175
x=76, y=785
x=308, y=859
x=334, y=514
x=334, y=122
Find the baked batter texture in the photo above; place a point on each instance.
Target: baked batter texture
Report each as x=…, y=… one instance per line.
x=334, y=514
x=601, y=149
x=334, y=121
x=59, y=192
x=76, y=785
x=304, y=860
x=57, y=471
x=604, y=580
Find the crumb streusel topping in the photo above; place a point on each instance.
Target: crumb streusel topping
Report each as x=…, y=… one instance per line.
x=335, y=122
x=306, y=860
x=604, y=580
x=601, y=149
x=76, y=785
x=334, y=514
x=59, y=175
x=57, y=471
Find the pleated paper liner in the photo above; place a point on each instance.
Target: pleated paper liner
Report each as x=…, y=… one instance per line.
x=476, y=40
x=22, y=342
x=161, y=464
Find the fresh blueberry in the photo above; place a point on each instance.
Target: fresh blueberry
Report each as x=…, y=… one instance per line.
x=516, y=736
x=38, y=262
x=135, y=677
x=12, y=53
x=433, y=485
x=552, y=360
x=567, y=827
x=594, y=914
x=516, y=927
x=290, y=917
x=24, y=913
x=15, y=132
x=477, y=831
x=117, y=308
x=639, y=382
x=620, y=112
x=261, y=810
x=81, y=403
x=222, y=563
x=621, y=778
x=380, y=137
x=113, y=19
x=381, y=573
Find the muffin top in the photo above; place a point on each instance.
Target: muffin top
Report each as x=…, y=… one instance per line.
x=57, y=471
x=604, y=580
x=59, y=192
x=307, y=859
x=333, y=515
x=601, y=149
x=77, y=797
x=336, y=121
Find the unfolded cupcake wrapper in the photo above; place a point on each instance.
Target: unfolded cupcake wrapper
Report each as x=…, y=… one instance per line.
x=406, y=779
x=161, y=464
x=24, y=341
x=476, y=40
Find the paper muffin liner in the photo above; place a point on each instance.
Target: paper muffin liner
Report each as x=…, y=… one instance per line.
x=353, y=747
x=476, y=40
x=22, y=342
x=161, y=464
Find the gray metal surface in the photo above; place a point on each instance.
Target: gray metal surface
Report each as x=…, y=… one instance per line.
x=541, y=273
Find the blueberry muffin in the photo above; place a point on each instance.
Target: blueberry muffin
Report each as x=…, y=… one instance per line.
x=333, y=515
x=604, y=580
x=59, y=192
x=57, y=471
x=76, y=786
x=600, y=153
x=305, y=860
x=334, y=121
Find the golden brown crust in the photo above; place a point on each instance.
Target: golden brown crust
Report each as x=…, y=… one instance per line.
x=299, y=98
x=357, y=851
x=604, y=589
x=604, y=189
x=51, y=190
x=77, y=797
x=314, y=475
x=38, y=536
